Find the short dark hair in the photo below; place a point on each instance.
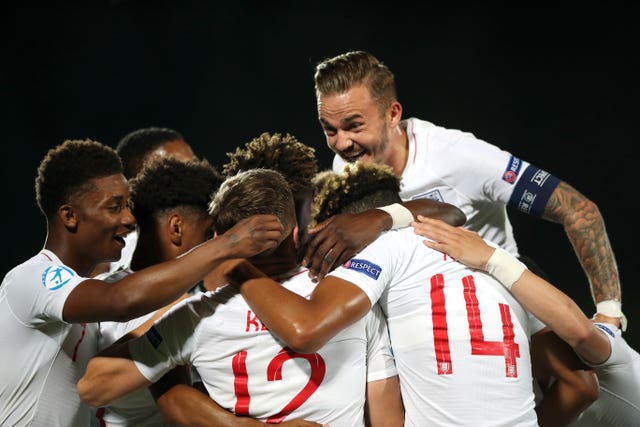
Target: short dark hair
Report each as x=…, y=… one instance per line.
x=170, y=183
x=285, y=154
x=357, y=188
x=342, y=72
x=67, y=169
x=136, y=145
x=252, y=192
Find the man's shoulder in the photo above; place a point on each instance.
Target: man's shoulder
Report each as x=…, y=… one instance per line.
x=400, y=241
x=436, y=132
x=40, y=265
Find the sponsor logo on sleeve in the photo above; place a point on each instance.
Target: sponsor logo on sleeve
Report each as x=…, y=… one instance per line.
x=363, y=266
x=154, y=337
x=56, y=276
x=513, y=169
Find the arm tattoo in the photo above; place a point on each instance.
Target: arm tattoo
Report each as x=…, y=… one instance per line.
x=586, y=231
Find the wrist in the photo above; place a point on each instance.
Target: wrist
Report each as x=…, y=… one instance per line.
x=505, y=267
x=612, y=308
x=400, y=216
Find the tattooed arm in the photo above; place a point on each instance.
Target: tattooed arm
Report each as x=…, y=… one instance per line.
x=586, y=231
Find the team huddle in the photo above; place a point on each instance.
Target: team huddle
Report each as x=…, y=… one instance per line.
x=388, y=291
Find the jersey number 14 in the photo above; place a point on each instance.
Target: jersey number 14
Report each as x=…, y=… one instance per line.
x=506, y=348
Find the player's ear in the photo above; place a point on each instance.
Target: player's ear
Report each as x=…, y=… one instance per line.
x=175, y=228
x=68, y=216
x=394, y=114
x=296, y=237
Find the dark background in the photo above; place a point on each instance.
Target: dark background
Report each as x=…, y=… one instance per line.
x=556, y=86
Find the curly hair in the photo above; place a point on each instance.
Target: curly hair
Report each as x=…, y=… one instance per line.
x=357, y=188
x=136, y=145
x=170, y=183
x=285, y=154
x=68, y=169
x=252, y=192
x=342, y=72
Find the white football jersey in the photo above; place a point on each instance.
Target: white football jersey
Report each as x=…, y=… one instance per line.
x=251, y=372
x=481, y=179
x=42, y=356
x=619, y=377
x=139, y=407
x=459, y=338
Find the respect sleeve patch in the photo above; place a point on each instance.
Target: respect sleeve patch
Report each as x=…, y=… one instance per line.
x=513, y=169
x=363, y=266
x=533, y=191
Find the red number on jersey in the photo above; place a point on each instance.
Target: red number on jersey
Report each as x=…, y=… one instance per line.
x=506, y=348
x=274, y=373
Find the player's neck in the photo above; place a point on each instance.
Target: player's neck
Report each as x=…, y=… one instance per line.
x=398, y=150
x=77, y=260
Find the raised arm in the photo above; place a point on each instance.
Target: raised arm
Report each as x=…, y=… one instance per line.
x=156, y=286
x=338, y=239
x=554, y=308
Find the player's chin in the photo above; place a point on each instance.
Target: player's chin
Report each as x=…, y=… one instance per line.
x=115, y=249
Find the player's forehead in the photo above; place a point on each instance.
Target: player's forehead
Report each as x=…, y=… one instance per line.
x=111, y=187
x=347, y=106
x=178, y=149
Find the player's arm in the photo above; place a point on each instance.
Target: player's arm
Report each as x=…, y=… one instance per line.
x=553, y=307
x=340, y=237
x=304, y=324
x=383, y=407
x=585, y=228
x=110, y=374
x=186, y=406
x=156, y=286
x=568, y=385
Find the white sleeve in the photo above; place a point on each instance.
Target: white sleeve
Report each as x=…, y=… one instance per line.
x=372, y=269
x=42, y=293
x=168, y=343
x=479, y=170
x=619, y=355
x=380, y=361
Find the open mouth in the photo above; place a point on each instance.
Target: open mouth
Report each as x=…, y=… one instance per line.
x=353, y=157
x=120, y=240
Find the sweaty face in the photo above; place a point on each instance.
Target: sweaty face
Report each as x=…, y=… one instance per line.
x=104, y=218
x=354, y=126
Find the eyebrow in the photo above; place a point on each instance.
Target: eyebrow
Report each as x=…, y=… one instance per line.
x=343, y=121
x=116, y=198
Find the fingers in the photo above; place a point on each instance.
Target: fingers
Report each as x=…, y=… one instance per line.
x=319, y=247
x=321, y=226
x=336, y=256
x=254, y=234
x=320, y=259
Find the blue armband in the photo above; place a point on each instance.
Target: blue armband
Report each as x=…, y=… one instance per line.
x=533, y=190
